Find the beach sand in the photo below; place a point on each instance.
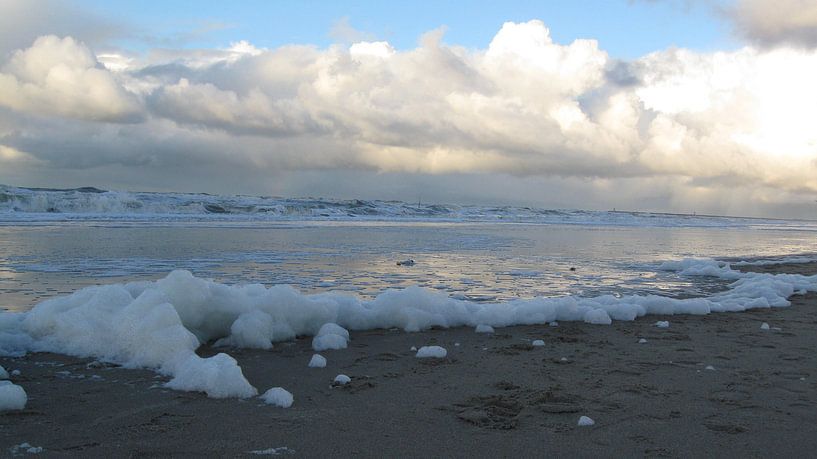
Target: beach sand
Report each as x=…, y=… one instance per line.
x=493, y=395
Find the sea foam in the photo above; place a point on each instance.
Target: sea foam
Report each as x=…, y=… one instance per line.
x=159, y=325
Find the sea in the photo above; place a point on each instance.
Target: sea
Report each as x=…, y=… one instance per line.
x=55, y=242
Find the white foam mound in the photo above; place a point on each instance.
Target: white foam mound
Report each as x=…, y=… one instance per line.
x=482, y=328
x=597, y=317
x=333, y=329
x=537, y=343
x=330, y=336
x=12, y=396
x=317, y=361
x=662, y=324
x=436, y=352
x=218, y=376
x=585, y=421
x=3, y=373
x=764, y=326
x=160, y=324
x=342, y=380
x=326, y=342
x=278, y=396
x=253, y=329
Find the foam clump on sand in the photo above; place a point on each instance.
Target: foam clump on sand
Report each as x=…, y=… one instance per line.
x=330, y=336
x=341, y=380
x=253, y=329
x=642, y=341
x=585, y=421
x=3, y=373
x=25, y=448
x=333, y=329
x=218, y=376
x=537, y=343
x=436, y=352
x=278, y=396
x=160, y=324
x=764, y=326
x=12, y=396
x=701, y=267
x=317, y=361
x=598, y=317
x=281, y=450
x=482, y=328
x=662, y=324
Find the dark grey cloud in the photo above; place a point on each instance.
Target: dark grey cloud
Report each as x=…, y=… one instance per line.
x=773, y=23
x=22, y=21
x=765, y=23
x=623, y=73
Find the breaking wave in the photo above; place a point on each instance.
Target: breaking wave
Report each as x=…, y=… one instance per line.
x=88, y=203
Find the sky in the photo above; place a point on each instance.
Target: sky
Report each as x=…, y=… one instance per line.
x=660, y=105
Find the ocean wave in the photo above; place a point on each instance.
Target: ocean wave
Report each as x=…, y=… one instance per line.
x=92, y=204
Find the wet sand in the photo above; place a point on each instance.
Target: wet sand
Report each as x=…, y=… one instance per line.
x=493, y=395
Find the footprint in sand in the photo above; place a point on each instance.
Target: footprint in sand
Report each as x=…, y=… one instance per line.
x=503, y=411
x=490, y=412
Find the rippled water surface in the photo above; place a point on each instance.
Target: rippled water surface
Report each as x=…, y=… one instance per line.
x=478, y=261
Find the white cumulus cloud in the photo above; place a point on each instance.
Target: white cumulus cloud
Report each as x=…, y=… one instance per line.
x=62, y=77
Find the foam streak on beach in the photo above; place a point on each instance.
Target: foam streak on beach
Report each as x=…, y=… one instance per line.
x=160, y=325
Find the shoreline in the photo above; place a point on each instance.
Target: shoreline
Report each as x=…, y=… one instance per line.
x=493, y=395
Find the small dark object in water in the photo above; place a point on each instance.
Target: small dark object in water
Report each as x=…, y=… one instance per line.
x=572, y=268
x=408, y=262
